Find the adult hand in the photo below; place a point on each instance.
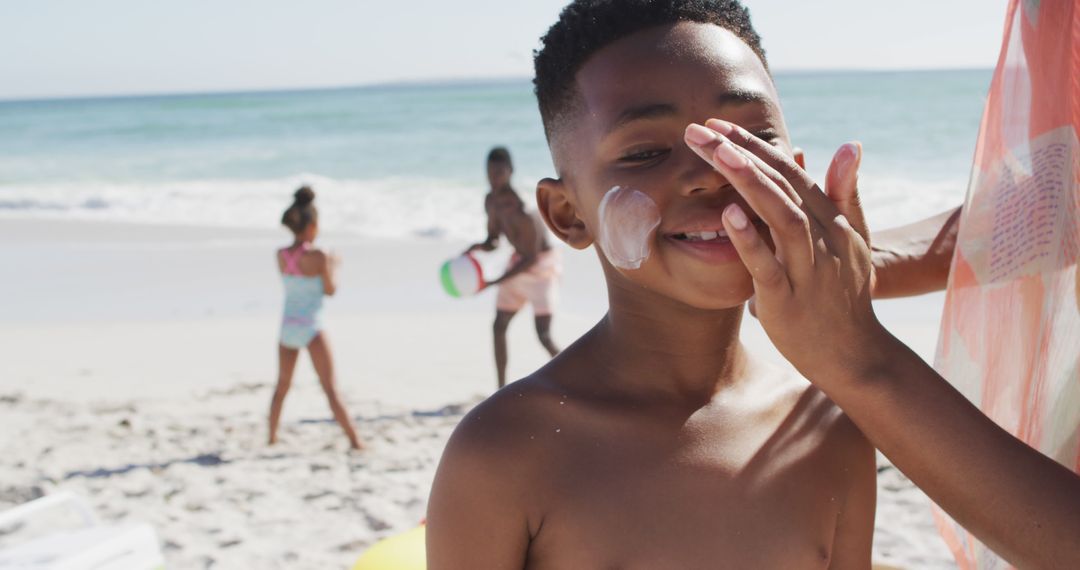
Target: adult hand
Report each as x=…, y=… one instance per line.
x=812, y=294
x=841, y=186
x=813, y=298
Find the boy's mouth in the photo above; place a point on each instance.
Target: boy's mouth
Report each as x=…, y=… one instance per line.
x=710, y=245
x=718, y=234
x=701, y=236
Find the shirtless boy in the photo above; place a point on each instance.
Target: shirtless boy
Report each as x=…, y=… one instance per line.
x=534, y=270
x=655, y=440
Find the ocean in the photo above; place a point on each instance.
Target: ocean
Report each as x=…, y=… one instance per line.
x=407, y=161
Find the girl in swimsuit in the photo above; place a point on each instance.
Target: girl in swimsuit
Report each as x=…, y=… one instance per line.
x=308, y=274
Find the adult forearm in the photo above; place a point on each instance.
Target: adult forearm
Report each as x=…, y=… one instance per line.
x=1022, y=504
x=914, y=259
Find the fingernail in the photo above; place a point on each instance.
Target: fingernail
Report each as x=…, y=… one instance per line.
x=735, y=215
x=727, y=153
x=722, y=127
x=699, y=135
x=848, y=158
x=845, y=155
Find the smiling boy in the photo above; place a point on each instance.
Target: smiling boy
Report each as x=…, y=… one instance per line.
x=655, y=440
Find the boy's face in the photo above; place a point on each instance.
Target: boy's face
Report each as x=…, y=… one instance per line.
x=499, y=174
x=636, y=97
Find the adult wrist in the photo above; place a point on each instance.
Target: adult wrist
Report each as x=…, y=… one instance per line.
x=884, y=262
x=876, y=358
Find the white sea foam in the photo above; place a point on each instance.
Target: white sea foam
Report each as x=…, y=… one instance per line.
x=387, y=208
x=889, y=201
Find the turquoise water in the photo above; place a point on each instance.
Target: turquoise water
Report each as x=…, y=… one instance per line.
x=395, y=161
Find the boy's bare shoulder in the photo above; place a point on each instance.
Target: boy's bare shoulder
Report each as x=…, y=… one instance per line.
x=494, y=460
x=518, y=428
x=512, y=422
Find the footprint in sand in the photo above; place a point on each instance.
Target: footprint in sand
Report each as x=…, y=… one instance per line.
x=376, y=524
x=316, y=496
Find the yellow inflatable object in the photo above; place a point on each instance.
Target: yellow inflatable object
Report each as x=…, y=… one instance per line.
x=405, y=551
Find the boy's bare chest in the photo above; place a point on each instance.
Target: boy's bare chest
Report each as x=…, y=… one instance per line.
x=516, y=225
x=720, y=500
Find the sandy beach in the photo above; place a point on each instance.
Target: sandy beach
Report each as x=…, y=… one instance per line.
x=138, y=363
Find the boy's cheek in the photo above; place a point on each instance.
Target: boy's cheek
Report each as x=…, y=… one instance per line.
x=627, y=221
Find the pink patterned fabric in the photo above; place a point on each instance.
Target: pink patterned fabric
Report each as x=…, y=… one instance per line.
x=1010, y=335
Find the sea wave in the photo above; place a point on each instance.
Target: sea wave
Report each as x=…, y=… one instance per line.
x=385, y=208
x=892, y=200
x=390, y=208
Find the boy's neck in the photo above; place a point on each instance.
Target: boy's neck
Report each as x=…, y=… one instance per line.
x=662, y=349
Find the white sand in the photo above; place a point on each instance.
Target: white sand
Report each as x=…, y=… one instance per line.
x=137, y=365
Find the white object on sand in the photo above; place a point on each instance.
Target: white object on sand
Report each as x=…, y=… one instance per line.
x=95, y=546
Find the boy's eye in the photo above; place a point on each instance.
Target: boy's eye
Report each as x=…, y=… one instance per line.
x=643, y=156
x=767, y=136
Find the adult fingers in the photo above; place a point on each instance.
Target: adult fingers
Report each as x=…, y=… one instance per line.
x=787, y=222
x=770, y=278
x=842, y=186
x=706, y=143
x=818, y=204
x=824, y=241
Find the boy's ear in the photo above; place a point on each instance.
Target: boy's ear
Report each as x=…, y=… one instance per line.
x=800, y=158
x=560, y=214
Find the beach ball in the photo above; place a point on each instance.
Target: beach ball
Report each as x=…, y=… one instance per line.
x=462, y=276
x=405, y=551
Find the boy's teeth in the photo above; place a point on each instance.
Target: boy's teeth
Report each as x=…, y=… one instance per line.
x=704, y=236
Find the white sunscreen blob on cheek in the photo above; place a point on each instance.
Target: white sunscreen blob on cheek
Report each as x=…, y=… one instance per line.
x=627, y=220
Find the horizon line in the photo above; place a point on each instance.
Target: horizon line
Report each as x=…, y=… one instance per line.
x=419, y=82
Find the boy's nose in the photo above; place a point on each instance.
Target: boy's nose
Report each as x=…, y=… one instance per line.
x=697, y=176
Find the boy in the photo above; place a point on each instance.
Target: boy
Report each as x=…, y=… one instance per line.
x=655, y=440
x=534, y=268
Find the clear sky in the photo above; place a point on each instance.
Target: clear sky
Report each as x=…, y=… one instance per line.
x=57, y=48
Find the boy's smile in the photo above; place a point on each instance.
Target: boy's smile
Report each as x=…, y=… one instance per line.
x=635, y=98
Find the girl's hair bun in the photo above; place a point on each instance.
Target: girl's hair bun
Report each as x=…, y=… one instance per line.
x=304, y=196
x=302, y=212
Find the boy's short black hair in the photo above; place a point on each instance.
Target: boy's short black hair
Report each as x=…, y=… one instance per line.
x=500, y=155
x=586, y=26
